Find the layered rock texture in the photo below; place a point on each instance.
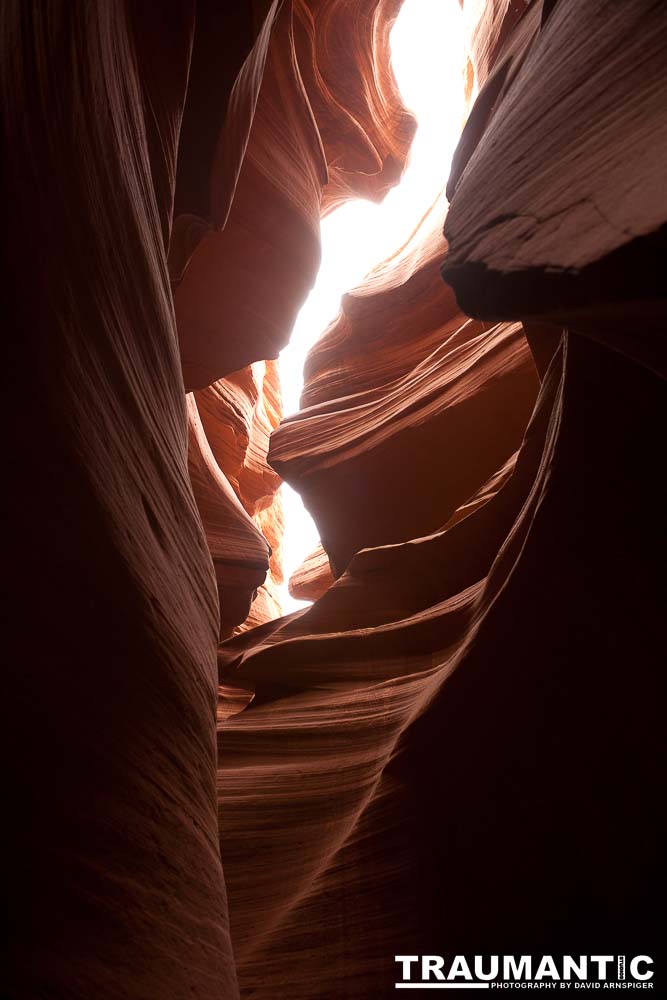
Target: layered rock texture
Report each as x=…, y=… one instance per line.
x=465, y=722
x=456, y=748
x=403, y=381
x=309, y=124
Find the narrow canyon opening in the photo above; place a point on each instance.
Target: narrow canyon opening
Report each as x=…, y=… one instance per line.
x=429, y=61
x=457, y=746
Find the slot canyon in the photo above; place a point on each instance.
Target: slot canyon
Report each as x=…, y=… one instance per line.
x=454, y=744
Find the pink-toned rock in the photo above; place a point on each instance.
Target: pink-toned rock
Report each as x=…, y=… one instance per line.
x=312, y=578
x=306, y=116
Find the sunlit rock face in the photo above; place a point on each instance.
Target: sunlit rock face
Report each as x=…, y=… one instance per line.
x=403, y=381
x=237, y=415
x=455, y=747
x=554, y=240
x=310, y=121
x=313, y=577
x=446, y=726
x=309, y=124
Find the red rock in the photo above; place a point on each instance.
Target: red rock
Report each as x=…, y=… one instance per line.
x=312, y=578
x=410, y=405
x=445, y=728
x=238, y=296
x=239, y=550
x=238, y=414
x=432, y=424
x=579, y=143
x=292, y=145
x=456, y=746
x=116, y=885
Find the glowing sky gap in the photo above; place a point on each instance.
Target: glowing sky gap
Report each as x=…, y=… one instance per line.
x=428, y=56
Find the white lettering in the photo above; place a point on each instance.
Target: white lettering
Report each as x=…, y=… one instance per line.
x=432, y=964
x=459, y=967
x=406, y=961
x=547, y=967
x=518, y=969
x=634, y=967
x=479, y=967
x=579, y=968
x=602, y=963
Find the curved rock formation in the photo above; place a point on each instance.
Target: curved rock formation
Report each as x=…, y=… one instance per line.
x=460, y=730
x=237, y=415
x=289, y=135
x=432, y=424
x=568, y=232
x=451, y=774
x=402, y=381
x=238, y=548
x=308, y=124
x=116, y=886
x=456, y=747
x=313, y=577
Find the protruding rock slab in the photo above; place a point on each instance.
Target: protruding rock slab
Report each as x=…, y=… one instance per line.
x=558, y=206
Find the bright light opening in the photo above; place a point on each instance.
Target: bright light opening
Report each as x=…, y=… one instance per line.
x=428, y=56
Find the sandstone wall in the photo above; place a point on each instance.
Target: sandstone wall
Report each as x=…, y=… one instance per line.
x=456, y=747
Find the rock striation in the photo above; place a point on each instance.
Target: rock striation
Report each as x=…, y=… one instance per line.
x=115, y=885
x=308, y=125
x=309, y=122
x=134, y=138
x=445, y=720
x=313, y=577
x=410, y=406
x=457, y=746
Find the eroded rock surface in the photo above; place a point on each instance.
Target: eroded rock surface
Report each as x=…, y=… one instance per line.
x=313, y=577
x=450, y=719
x=309, y=119
x=456, y=747
x=116, y=884
x=309, y=124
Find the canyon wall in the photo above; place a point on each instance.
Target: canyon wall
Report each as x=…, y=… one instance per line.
x=456, y=747
x=165, y=169
x=115, y=882
x=309, y=124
